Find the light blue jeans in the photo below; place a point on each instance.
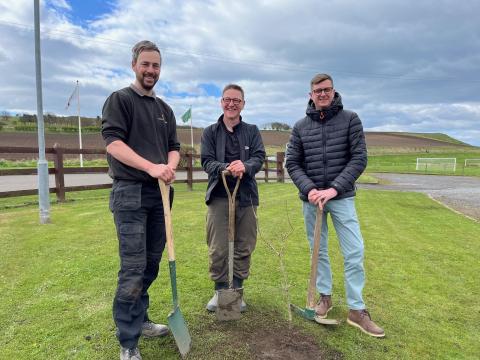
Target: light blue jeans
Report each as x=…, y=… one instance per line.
x=345, y=221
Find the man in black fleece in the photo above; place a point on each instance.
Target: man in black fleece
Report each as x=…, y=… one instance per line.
x=231, y=144
x=326, y=155
x=140, y=133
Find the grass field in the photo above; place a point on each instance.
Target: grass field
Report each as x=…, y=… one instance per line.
x=406, y=163
x=57, y=281
x=378, y=161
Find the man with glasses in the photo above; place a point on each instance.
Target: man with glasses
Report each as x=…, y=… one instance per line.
x=231, y=144
x=326, y=155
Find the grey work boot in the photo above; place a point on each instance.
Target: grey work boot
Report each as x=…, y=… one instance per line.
x=150, y=329
x=130, y=354
x=213, y=303
x=243, y=306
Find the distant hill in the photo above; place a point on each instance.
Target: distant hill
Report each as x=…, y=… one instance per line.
x=396, y=141
x=380, y=139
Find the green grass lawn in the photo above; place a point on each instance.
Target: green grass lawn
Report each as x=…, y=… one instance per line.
x=57, y=281
x=406, y=163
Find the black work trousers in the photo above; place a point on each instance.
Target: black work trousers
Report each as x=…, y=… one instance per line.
x=138, y=214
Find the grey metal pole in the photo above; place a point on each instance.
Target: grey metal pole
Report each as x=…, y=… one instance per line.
x=79, y=124
x=42, y=164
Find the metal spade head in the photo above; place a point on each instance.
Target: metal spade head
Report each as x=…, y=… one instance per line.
x=229, y=304
x=309, y=314
x=179, y=330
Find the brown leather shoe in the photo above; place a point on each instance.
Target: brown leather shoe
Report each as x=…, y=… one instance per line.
x=362, y=320
x=323, y=306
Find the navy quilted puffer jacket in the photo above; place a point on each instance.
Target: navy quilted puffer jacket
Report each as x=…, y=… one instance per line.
x=327, y=149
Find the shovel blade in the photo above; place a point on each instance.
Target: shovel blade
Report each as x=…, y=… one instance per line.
x=306, y=313
x=309, y=314
x=229, y=304
x=178, y=327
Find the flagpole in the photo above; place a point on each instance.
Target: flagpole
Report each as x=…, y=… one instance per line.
x=191, y=125
x=79, y=125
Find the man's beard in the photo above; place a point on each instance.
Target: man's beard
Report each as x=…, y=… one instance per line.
x=146, y=86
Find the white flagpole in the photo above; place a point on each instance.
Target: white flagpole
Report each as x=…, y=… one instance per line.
x=191, y=126
x=79, y=124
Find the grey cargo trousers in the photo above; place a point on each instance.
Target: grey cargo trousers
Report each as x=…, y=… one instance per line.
x=217, y=239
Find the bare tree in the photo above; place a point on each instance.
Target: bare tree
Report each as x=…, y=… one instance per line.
x=278, y=249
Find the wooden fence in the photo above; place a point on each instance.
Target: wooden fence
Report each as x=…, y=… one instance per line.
x=59, y=170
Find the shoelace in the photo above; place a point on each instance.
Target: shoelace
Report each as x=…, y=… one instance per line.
x=323, y=300
x=132, y=352
x=365, y=312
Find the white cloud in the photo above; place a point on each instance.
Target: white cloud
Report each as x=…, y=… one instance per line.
x=61, y=4
x=399, y=69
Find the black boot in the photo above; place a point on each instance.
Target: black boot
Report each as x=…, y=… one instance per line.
x=237, y=282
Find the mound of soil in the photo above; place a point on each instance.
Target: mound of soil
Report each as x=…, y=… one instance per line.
x=272, y=340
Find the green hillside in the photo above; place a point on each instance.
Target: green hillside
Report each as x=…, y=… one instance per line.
x=434, y=136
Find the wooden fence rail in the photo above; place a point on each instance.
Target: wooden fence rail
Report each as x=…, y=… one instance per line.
x=59, y=170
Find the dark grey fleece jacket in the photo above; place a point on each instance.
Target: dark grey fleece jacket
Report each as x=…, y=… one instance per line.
x=252, y=154
x=327, y=149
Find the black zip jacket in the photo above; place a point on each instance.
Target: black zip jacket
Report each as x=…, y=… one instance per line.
x=252, y=154
x=327, y=149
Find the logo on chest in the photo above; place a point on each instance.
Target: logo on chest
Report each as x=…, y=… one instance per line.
x=162, y=120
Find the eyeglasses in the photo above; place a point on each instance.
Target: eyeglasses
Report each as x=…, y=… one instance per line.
x=234, y=100
x=327, y=91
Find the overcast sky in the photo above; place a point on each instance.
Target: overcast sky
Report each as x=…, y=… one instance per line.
x=401, y=65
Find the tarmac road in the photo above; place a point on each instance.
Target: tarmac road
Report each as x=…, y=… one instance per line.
x=27, y=182
x=461, y=193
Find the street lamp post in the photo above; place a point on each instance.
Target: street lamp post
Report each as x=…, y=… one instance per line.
x=42, y=164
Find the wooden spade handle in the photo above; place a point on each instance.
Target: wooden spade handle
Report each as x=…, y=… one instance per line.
x=314, y=260
x=165, y=191
x=231, y=223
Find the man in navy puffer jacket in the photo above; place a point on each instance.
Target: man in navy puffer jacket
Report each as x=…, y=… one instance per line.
x=326, y=154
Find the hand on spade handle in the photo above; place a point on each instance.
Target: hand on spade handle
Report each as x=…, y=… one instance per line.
x=321, y=197
x=236, y=168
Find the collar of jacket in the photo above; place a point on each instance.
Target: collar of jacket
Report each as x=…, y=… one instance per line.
x=141, y=92
x=325, y=114
x=221, y=136
x=220, y=122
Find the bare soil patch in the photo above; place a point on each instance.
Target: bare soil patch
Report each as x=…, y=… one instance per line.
x=272, y=340
x=408, y=141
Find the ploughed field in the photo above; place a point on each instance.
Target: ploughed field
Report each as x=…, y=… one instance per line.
x=270, y=138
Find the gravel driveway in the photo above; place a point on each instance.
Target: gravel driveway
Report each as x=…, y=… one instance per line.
x=461, y=193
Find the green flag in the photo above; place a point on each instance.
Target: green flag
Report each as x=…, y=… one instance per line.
x=187, y=116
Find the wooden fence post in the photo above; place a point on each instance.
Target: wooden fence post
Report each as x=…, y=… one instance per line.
x=189, y=170
x=266, y=169
x=280, y=170
x=59, y=173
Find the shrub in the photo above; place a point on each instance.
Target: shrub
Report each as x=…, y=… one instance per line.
x=185, y=149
